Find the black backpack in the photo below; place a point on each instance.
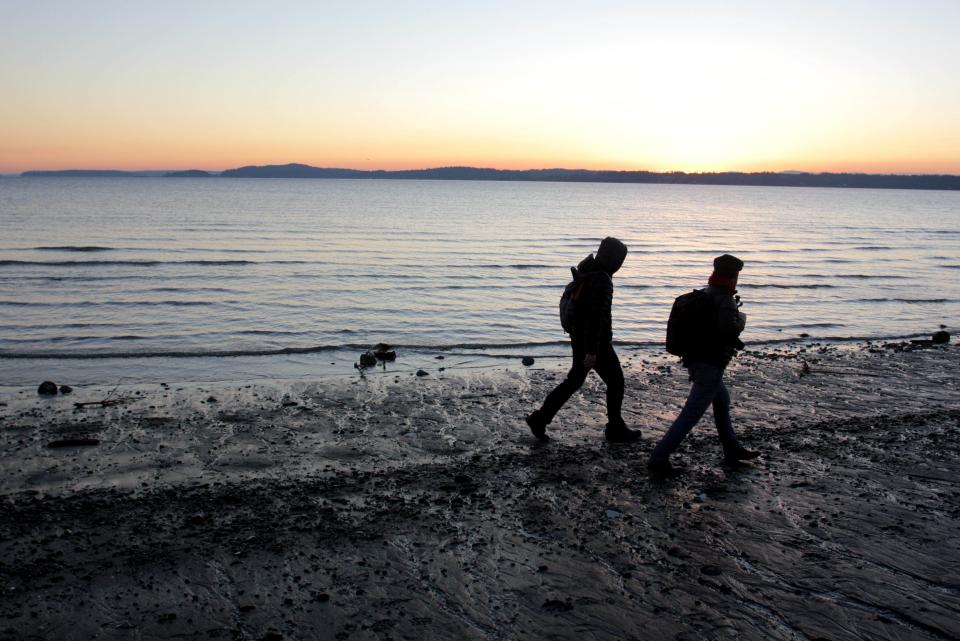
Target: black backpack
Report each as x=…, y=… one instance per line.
x=691, y=324
x=568, y=301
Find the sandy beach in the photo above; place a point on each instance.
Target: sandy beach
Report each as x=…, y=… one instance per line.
x=405, y=507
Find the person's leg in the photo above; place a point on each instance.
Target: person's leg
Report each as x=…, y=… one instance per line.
x=721, y=416
x=562, y=392
x=707, y=380
x=609, y=370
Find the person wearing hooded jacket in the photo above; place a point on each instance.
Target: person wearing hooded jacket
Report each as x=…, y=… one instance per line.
x=706, y=363
x=592, y=343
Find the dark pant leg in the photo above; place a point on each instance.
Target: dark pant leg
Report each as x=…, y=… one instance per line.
x=707, y=383
x=562, y=392
x=611, y=373
x=721, y=416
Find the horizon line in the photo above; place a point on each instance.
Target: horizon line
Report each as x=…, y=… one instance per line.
x=437, y=167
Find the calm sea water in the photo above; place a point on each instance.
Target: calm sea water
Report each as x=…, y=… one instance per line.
x=133, y=279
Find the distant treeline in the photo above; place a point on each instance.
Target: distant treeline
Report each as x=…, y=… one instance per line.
x=762, y=179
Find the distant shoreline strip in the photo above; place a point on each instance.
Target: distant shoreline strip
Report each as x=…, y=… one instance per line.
x=729, y=178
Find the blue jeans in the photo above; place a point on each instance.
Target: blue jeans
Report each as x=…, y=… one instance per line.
x=708, y=389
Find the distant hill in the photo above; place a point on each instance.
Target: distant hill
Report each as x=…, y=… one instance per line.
x=763, y=179
x=295, y=171
x=189, y=173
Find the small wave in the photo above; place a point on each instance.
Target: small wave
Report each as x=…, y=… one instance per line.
x=143, y=263
x=814, y=325
x=787, y=286
x=903, y=300
x=513, y=266
x=73, y=248
x=858, y=276
x=78, y=338
x=950, y=266
x=98, y=355
x=205, y=290
x=118, y=303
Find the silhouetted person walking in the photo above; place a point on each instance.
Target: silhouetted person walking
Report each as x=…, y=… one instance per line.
x=591, y=338
x=706, y=355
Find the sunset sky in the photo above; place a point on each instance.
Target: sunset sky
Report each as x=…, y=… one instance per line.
x=817, y=86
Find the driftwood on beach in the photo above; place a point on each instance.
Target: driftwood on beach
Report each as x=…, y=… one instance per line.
x=107, y=402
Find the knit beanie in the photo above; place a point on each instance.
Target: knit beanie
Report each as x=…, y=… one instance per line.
x=727, y=265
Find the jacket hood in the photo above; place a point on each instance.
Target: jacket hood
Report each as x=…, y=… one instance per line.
x=611, y=254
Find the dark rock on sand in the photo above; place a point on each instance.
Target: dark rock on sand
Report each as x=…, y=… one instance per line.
x=368, y=359
x=528, y=361
x=65, y=389
x=383, y=352
x=420, y=372
x=47, y=388
x=73, y=442
x=941, y=337
x=212, y=399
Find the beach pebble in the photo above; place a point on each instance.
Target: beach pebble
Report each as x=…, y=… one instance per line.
x=941, y=337
x=212, y=399
x=65, y=389
x=47, y=388
x=420, y=372
x=528, y=361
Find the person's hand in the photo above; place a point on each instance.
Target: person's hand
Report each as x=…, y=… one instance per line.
x=589, y=361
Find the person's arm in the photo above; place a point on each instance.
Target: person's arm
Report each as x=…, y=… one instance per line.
x=730, y=322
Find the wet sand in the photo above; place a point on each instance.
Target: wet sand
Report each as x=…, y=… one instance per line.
x=421, y=508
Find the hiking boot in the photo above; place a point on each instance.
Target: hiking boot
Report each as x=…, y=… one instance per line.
x=538, y=427
x=620, y=433
x=663, y=470
x=734, y=457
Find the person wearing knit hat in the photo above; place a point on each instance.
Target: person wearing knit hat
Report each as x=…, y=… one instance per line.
x=592, y=342
x=706, y=363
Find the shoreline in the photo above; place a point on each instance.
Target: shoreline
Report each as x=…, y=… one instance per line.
x=334, y=363
x=422, y=507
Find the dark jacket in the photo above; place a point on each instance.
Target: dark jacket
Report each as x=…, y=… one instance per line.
x=594, y=325
x=728, y=323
